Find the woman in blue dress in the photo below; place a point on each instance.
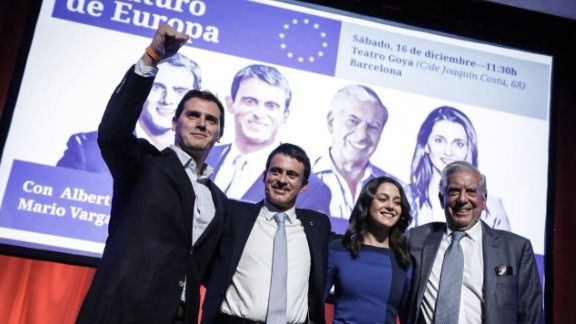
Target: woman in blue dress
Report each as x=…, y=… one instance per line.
x=369, y=266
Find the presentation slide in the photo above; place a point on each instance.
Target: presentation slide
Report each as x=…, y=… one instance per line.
x=433, y=98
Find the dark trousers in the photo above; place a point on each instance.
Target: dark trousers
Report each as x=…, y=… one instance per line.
x=228, y=319
x=179, y=318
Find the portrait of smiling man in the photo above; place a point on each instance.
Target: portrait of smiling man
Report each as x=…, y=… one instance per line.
x=176, y=76
x=356, y=120
x=259, y=101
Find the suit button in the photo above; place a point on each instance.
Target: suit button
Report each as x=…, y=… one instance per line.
x=181, y=283
x=190, y=252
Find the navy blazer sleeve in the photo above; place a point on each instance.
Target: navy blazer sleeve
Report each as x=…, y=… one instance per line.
x=529, y=288
x=120, y=148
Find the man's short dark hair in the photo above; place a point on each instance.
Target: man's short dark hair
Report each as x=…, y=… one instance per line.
x=264, y=73
x=295, y=152
x=204, y=95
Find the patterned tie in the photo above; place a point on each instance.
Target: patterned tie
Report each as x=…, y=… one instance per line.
x=448, y=300
x=277, y=299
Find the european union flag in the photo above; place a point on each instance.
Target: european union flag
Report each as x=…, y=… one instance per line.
x=279, y=36
x=241, y=28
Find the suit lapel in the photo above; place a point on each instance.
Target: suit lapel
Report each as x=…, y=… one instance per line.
x=187, y=196
x=490, y=244
x=243, y=221
x=314, y=247
x=309, y=229
x=219, y=212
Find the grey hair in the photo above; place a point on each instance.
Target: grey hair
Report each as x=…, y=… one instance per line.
x=458, y=166
x=360, y=92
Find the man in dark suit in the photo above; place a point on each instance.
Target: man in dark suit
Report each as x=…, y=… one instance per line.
x=500, y=280
x=239, y=286
x=176, y=76
x=166, y=216
x=259, y=100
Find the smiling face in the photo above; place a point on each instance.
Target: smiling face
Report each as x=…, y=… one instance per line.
x=170, y=85
x=283, y=181
x=259, y=111
x=447, y=143
x=462, y=199
x=386, y=206
x=356, y=127
x=197, y=127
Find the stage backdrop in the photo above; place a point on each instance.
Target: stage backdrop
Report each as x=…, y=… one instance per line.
x=504, y=92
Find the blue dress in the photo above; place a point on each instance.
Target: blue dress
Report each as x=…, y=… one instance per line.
x=373, y=288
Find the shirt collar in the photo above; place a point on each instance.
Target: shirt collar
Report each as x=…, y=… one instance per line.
x=188, y=162
x=474, y=232
x=268, y=211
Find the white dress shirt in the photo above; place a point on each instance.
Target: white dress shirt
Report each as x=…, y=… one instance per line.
x=472, y=298
x=247, y=296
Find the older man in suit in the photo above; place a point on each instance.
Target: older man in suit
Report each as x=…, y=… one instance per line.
x=241, y=287
x=466, y=272
x=167, y=216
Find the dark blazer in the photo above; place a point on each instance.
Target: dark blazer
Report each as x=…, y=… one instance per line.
x=148, y=251
x=316, y=197
x=512, y=291
x=82, y=153
x=239, y=222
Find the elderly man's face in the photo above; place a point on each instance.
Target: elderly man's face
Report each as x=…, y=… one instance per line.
x=462, y=199
x=356, y=128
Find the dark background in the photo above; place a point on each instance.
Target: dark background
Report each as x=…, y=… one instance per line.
x=481, y=20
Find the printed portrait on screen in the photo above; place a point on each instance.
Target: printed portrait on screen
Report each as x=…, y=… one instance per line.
x=446, y=135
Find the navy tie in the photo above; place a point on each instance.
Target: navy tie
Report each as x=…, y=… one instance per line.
x=448, y=299
x=277, y=299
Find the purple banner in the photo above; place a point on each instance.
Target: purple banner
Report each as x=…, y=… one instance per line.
x=241, y=28
x=57, y=201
